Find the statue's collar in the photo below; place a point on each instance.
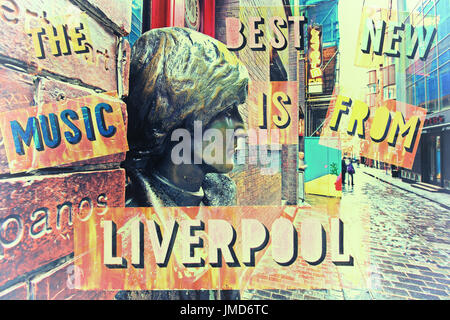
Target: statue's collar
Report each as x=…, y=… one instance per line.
x=174, y=189
x=146, y=189
x=150, y=187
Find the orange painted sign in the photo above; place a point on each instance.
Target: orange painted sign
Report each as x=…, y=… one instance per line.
x=63, y=132
x=273, y=112
x=315, y=59
x=212, y=248
x=66, y=35
x=389, y=33
x=389, y=133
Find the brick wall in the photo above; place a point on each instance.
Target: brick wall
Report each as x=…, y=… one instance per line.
x=289, y=176
x=38, y=208
x=301, y=84
x=255, y=187
x=255, y=184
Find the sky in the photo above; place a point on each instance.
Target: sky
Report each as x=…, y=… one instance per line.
x=353, y=80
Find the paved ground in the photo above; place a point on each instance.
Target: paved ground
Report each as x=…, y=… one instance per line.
x=409, y=243
x=381, y=175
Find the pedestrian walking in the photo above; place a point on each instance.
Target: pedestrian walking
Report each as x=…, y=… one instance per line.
x=343, y=170
x=350, y=171
x=301, y=163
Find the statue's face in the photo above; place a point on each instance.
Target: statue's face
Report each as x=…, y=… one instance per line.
x=231, y=127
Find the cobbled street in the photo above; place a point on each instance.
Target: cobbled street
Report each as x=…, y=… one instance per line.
x=409, y=244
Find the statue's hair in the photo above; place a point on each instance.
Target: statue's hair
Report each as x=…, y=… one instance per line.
x=178, y=76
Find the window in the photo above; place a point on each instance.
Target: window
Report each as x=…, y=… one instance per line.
x=430, y=65
x=432, y=91
x=443, y=44
x=444, y=57
x=372, y=76
x=389, y=93
x=410, y=95
x=442, y=9
x=444, y=80
x=419, y=65
x=428, y=7
x=427, y=82
x=420, y=92
x=389, y=75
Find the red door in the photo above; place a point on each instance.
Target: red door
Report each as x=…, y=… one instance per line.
x=194, y=14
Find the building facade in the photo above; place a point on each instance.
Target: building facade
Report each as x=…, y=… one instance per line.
x=37, y=259
x=322, y=15
x=381, y=86
x=426, y=84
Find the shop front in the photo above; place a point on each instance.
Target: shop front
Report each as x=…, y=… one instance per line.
x=435, y=136
x=433, y=153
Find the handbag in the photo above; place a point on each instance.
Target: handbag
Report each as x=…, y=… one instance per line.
x=350, y=169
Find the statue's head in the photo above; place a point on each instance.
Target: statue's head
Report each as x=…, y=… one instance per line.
x=179, y=76
x=301, y=155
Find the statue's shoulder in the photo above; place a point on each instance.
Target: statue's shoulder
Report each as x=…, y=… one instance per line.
x=145, y=191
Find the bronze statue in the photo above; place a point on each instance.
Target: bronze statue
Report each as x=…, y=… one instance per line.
x=179, y=76
x=179, y=79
